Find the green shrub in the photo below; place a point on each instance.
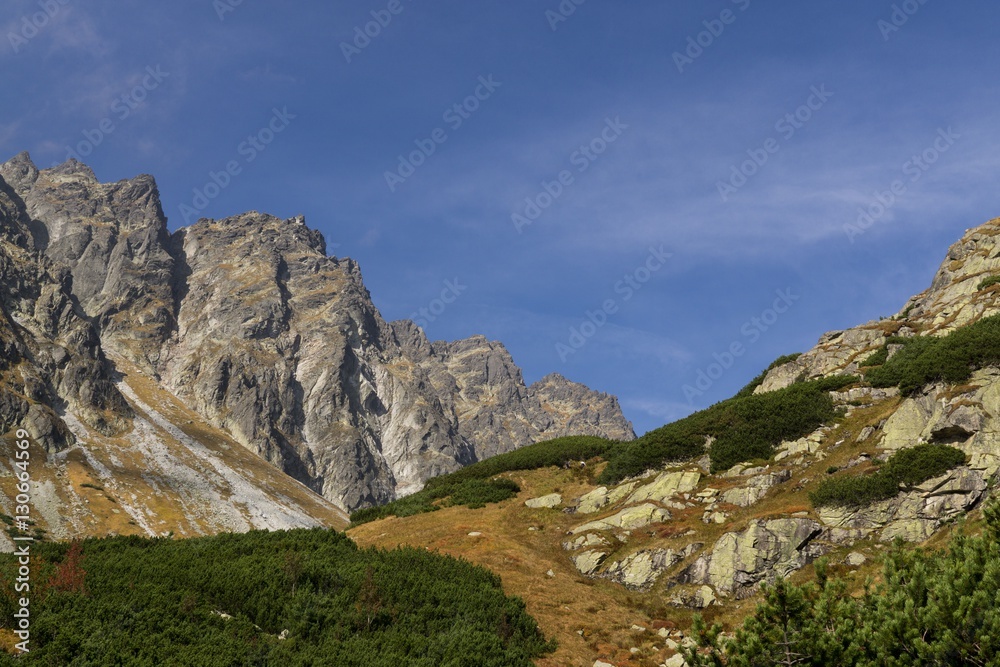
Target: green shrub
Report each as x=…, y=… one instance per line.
x=159, y=602
x=476, y=493
x=877, y=358
x=744, y=428
x=557, y=452
x=951, y=358
x=916, y=465
x=908, y=467
x=989, y=282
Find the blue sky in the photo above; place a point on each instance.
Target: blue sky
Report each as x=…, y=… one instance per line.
x=832, y=99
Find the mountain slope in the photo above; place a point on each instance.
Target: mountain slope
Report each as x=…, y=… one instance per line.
x=616, y=570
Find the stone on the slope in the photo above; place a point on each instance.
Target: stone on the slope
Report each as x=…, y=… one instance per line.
x=666, y=486
x=629, y=518
x=584, y=541
x=587, y=562
x=756, y=488
x=739, y=561
x=548, y=501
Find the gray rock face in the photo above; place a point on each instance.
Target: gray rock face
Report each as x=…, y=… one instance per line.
x=253, y=326
x=50, y=354
x=114, y=240
x=739, y=562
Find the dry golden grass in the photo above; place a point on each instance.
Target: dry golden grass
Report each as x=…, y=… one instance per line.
x=569, y=603
x=565, y=604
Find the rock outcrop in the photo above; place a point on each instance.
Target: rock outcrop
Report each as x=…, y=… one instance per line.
x=740, y=561
x=953, y=300
x=51, y=359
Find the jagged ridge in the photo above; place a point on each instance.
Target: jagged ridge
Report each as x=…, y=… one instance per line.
x=252, y=325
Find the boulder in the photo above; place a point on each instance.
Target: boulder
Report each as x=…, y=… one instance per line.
x=588, y=561
x=548, y=501
x=666, y=486
x=755, y=489
x=584, y=541
x=600, y=497
x=629, y=518
x=915, y=514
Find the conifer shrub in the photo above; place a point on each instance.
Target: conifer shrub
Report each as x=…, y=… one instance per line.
x=951, y=358
x=907, y=467
x=742, y=428
x=988, y=282
x=291, y=598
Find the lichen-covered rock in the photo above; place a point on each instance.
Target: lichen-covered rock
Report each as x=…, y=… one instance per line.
x=969, y=420
x=600, y=497
x=640, y=570
x=740, y=561
x=587, y=562
x=913, y=515
x=666, y=486
x=755, y=489
x=629, y=518
x=584, y=541
x=698, y=597
x=547, y=502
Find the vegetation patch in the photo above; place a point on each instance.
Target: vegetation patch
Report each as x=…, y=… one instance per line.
x=301, y=597
x=926, y=359
x=474, y=486
x=743, y=427
x=907, y=467
x=989, y=282
x=931, y=608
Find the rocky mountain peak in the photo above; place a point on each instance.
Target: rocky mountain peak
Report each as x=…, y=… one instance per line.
x=264, y=230
x=250, y=324
x=19, y=172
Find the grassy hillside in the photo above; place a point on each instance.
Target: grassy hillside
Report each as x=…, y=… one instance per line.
x=742, y=428
x=303, y=597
